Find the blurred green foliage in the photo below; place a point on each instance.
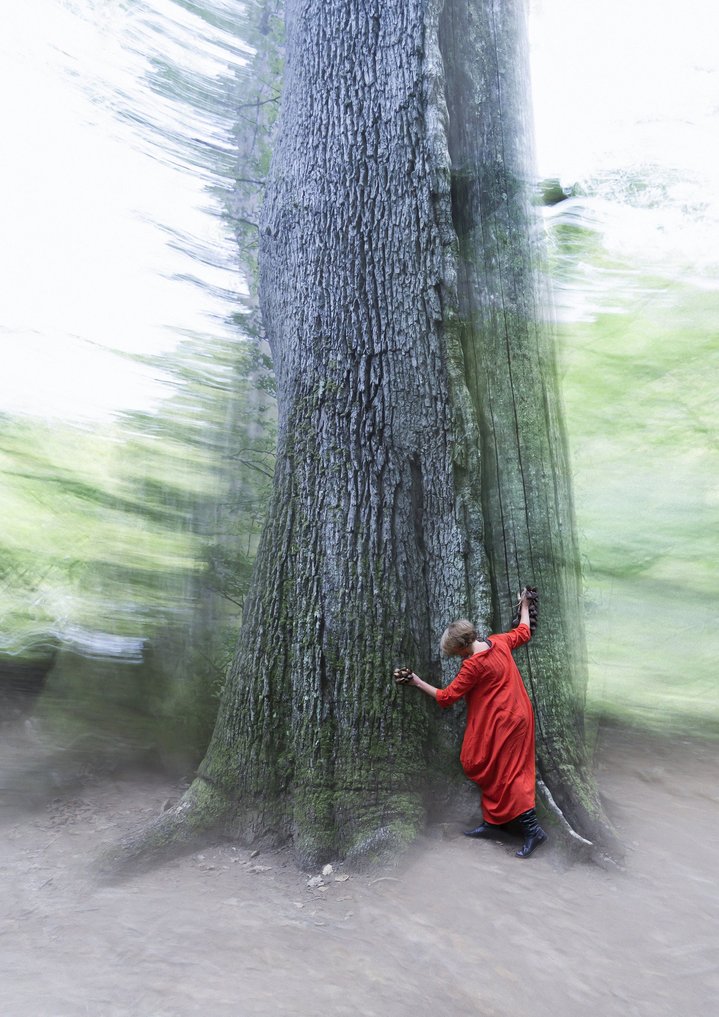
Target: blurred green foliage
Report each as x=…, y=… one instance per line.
x=145, y=529
x=640, y=384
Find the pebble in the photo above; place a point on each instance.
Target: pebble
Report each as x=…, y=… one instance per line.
x=327, y=871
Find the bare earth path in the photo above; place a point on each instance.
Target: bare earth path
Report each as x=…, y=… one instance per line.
x=463, y=928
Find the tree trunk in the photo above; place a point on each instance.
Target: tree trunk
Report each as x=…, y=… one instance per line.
x=369, y=545
x=421, y=472
x=511, y=372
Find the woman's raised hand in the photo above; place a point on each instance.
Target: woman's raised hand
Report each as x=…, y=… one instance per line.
x=529, y=599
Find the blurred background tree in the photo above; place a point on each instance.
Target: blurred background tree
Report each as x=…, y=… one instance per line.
x=129, y=534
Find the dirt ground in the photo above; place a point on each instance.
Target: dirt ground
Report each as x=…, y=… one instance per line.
x=460, y=928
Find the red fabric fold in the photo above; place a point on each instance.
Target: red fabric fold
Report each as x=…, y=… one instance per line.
x=498, y=746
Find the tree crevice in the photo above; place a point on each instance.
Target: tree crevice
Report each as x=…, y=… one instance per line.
x=399, y=298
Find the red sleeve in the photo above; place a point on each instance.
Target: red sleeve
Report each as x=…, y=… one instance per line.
x=515, y=637
x=464, y=682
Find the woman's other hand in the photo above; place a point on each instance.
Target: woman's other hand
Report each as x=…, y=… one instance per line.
x=404, y=675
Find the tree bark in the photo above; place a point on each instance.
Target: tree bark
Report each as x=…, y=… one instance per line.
x=511, y=372
x=421, y=471
x=369, y=545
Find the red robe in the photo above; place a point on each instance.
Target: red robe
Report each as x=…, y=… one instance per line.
x=498, y=747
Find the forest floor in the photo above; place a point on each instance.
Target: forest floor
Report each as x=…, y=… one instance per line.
x=461, y=927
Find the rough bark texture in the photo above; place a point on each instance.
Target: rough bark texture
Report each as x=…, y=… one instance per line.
x=512, y=375
x=369, y=546
x=416, y=392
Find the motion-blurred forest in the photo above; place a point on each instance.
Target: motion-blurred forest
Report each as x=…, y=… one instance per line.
x=128, y=539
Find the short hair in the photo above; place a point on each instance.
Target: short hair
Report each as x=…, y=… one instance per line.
x=457, y=636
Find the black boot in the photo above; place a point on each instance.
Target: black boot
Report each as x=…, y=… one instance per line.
x=533, y=833
x=484, y=830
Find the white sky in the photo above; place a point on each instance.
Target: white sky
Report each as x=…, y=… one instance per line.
x=84, y=270
x=622, y=82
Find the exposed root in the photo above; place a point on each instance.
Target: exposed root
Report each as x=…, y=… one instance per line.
x=202, y=812
x=605, y=851
x=557, y=812
x=355, y=824
x=385, y=844
x=382, y=835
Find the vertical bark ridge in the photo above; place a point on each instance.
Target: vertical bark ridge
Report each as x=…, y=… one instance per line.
x=511, y=374
x=377, y=453
x=391, y=229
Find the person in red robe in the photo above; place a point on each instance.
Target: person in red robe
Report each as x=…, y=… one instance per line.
x=498, y=746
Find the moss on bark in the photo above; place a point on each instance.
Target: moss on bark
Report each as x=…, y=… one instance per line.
x=421, y=468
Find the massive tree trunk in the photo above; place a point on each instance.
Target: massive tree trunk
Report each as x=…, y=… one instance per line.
x=511, y=372
x=369, y=545
x=421, y=471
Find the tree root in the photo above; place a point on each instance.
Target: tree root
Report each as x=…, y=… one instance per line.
x=355, y=825
x=202, y=812
x=363, y=838
x=205, y=812
x=552, y=806
x=383, y=845
x=608, y=852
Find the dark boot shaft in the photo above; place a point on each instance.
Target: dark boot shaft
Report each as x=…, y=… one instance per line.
x=534, y=835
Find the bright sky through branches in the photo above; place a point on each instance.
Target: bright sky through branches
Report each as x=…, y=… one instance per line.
x=86, y=269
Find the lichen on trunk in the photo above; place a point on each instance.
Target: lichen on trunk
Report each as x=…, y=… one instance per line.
x=420, y=466
x=366, y=553
x=511, y=372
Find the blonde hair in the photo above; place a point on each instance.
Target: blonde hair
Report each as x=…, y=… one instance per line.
x=457, y=636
